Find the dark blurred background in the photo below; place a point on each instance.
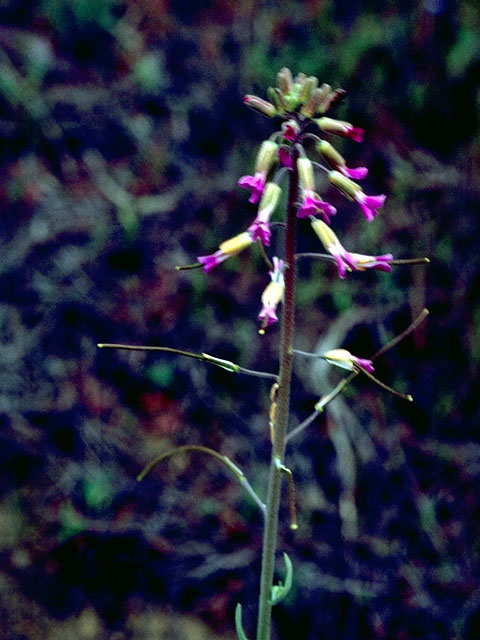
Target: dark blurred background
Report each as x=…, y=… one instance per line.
x=123, y=137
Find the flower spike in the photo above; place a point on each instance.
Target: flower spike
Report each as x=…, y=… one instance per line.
x=230, y=247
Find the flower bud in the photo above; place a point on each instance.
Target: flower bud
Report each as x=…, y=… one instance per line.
x=285, y=80
x=308, y=87
x=276, y=97
x=324, y=232
x=267, y=108
x=305, y=170
x=340, y=127
x=290, y=130
x=347, y=187
x=267, y=156
x=326, y=92
x=329, y=152
x=337, y=161
x=314, y=104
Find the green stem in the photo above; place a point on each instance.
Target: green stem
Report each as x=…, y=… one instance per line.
x=283, y=402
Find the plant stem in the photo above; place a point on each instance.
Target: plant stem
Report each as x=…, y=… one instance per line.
x=283, y=402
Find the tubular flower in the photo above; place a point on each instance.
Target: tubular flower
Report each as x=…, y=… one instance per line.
x=311, y=201
x=272, y=295
x=226, y=249
x=260, y=227
x=347, y=261
x=337, y=161
x=267, y=156
x=368, y=204
x=341, y=128
x=344, y=359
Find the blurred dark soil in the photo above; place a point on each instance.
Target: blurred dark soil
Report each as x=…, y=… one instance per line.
x=123, y=137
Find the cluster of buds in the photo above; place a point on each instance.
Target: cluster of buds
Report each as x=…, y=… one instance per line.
x=300, y=103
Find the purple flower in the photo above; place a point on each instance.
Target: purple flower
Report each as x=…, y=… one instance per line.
x=312, y=204
x=256, y=183
x=272, y=295
x=260, y=227
x=357, y=174
x=228, y=248
x=347, y=261
x=290, y=130
x=284, y=157
x=341, y=128
x=337, y=161
x=355, y=133
x=363, y=363
x=212, y=260
x=369, y=204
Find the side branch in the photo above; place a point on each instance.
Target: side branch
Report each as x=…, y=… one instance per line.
x=237, y=472
x=218, y=362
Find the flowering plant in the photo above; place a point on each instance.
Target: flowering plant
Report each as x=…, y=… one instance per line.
x=299, y=106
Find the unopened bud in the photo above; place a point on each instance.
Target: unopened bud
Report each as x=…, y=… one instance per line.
x=345, y=360
x=285, y=80
x=290, y=129
x=340, y=358
x=300, y=78
x=326, y=92
x=305, y=170
x=330, y=153
x=270, y=197
x=276, y=97
x=324, y=232
x=314, y=104
x=267, y=156
x=267, y=108
x=346, y=186
x=340, y=127
x=308, y=87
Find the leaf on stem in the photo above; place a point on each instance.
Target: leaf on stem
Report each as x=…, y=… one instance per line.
x=280, y=591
